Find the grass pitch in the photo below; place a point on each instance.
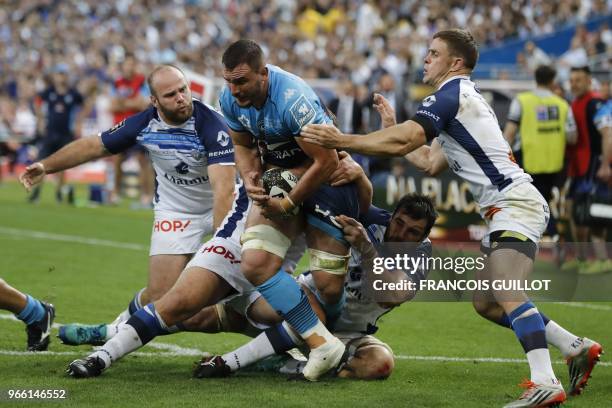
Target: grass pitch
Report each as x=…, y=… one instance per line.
x=447, y=356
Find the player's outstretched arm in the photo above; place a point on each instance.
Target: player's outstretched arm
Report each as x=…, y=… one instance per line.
x=430, y=159
x=222, y=180
x=385, y=110
x=397, y=140
x=248, y=162
x=78, y=152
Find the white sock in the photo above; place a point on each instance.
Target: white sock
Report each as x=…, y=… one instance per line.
x=541, y=367
x=568, y=343
x=112, y=329
x=124, y=342
x=320, y=330
x=123, y=317
x=255, y=350
x=295, y=336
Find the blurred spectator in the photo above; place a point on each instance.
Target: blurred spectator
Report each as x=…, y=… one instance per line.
x=584, y=163
x=387, y=87
x=347, y=106
x=130, y=96
x=603, y=122
x=535, y=56
x=59, y=122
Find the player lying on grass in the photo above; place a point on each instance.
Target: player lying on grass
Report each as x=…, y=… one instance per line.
x=211, y=276
x=466, y=137
x=368, y=357
x=38, y=316
x=192, y=154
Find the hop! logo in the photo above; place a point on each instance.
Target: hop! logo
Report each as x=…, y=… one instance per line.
x=221, y=250
x=171, y=226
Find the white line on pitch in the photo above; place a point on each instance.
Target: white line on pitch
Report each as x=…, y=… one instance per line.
x=71, y=238
x=585, y=306
x=171, y=349
x=480, y=360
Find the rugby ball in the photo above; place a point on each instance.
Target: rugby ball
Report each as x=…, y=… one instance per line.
x=278, y=183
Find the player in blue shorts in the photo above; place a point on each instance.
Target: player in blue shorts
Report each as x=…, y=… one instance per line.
x=368, y=357
x=265, y=108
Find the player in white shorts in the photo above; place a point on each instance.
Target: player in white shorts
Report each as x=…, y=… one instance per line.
x=213, y=275
x=467, y=138
x=368, y=357
x=192, y=155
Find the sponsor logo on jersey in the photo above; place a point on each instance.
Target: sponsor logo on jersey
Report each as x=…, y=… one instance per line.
x=430, y=100
x=117, y=126
x=283, y=154
x=221, y=250
x=170, y=225
x=220, y=153
x=245, y=121
x=223, y=138
x=289, y=94
x=185, y=181
x=302, y=111
x=182, y=168
x=428, y=114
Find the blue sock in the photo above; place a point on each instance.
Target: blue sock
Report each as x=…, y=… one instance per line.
x=147, y=323
x=505, y=320
x=530, y=329
x=32, y=312
x=135, y=305
x=288, y=299
x=279, y=338
x=332, y=311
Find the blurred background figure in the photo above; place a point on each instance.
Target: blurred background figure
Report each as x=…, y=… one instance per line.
x=58, y=112
x=585, y=159
x=130, y=95
x=539, y=125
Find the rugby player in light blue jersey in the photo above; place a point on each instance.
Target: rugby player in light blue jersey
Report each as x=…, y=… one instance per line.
x=265, y=108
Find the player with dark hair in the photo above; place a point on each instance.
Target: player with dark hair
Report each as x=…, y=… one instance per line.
x=466, y=136
x=369, y=357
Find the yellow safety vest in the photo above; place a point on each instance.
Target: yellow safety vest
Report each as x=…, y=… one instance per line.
x=542, y=130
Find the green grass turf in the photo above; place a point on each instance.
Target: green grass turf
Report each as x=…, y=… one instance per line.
x=94, y=283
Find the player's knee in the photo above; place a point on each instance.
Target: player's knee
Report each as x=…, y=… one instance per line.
x=3, y=284
x=263, y=249
x=482, y=307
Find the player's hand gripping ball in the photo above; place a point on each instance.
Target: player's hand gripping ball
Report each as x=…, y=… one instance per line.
x=278, y=183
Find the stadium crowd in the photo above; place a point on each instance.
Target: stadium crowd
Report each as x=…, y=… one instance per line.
x=366, y=46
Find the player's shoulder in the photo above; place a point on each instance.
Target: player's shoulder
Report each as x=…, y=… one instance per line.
x=208, y=120
x=286, y=87
x=136, y=122
x=425, y=247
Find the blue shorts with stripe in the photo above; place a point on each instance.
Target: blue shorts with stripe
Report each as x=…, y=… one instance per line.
x=328, y=202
